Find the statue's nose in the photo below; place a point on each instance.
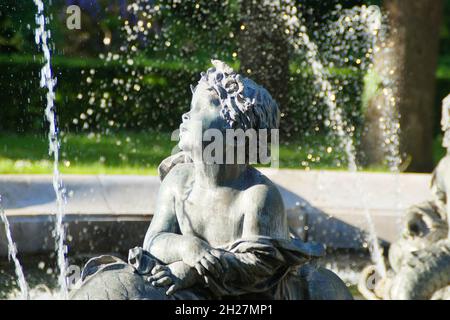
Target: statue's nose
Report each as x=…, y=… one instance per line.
x=185, y=116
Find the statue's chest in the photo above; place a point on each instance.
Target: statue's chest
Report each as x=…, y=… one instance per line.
x=211, y=215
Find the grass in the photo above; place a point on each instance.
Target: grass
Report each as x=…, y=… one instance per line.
x=129, y=153
x=141, y=153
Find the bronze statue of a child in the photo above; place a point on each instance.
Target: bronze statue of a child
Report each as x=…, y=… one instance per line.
x=220, y=228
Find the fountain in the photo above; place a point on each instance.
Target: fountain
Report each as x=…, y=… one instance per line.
x=12, y=254
x=47, y=81
x=131, y=82
x=371, y=17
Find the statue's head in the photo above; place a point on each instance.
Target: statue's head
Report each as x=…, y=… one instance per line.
x=445, y=121
x=225, y=100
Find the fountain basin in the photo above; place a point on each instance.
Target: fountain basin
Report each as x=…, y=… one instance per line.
x=111, y=213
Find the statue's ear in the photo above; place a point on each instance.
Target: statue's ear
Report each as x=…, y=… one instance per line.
x=169, y=163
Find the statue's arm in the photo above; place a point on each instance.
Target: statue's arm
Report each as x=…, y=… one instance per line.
x=256, y=267
x=163, y=238
x=265, y=214
x=163, y=229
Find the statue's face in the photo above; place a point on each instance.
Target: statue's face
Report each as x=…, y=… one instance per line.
x=203, y=115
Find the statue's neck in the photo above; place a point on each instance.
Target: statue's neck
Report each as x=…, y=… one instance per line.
x=210, y=175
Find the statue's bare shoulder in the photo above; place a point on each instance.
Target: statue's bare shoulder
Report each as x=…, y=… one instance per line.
x=178, y=178
x=265, y=213
x=441, y=175
x=262, y=188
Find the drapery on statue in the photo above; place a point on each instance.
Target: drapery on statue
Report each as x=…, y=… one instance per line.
x=420, y=259
x=219, y=230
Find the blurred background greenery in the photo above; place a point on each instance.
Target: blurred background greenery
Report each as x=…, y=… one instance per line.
x=117, y=116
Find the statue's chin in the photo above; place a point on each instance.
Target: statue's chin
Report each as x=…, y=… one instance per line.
x=184, y=145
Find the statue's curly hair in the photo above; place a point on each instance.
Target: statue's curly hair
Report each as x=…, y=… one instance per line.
x=245, y=104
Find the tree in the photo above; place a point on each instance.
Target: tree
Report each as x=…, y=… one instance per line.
x=414, y=41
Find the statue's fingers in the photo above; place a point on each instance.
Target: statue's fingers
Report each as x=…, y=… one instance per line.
x=165, y=281
x=202, y=272
x=215, y=262
x=158, y=268
x=172, y=289
x=200, y=269
x=159, y=275
x=209, y=266
x=219, y=255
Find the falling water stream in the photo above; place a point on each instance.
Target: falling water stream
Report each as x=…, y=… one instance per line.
x=338, y=126
x=335, y=117
x=12, y=254
x=47, y=81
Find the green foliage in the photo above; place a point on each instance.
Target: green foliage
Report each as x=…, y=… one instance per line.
x=166, y=91
x=445, y=33
x=163, y=96
x=196, y=31
x=16, y=33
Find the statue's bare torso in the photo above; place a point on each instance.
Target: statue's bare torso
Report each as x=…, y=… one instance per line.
x=223, y=214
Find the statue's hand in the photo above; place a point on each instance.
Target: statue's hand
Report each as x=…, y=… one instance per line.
x=214, y=262
x=160, y=276
x=176, y=276
x=193, y=249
